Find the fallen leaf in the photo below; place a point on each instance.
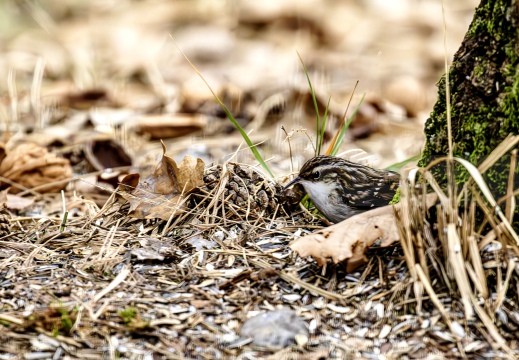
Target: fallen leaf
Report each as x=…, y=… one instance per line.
x=190, y=173
x=33, y=166
x=160, y=195
x=107, y=154
x=349, y=239
x=201, y=304
x=15, y=202
x=169, y=125
x=129, y=183
x=86, y=99
x=104, y=154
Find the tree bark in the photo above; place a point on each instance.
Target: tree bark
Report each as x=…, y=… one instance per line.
x=484, y=83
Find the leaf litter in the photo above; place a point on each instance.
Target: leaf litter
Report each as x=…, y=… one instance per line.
x=110, y=285
x=160, y=195
x=183, y=286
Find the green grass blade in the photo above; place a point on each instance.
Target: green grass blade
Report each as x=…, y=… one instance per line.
x=396, y=167
x=318, y=139
x=252, y=147
x=320, y=135
x=340, y=138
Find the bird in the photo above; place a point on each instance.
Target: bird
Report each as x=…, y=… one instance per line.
x=340, y=188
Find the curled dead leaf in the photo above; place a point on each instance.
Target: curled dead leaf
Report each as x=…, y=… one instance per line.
x=349, y=239
x=190, y=174
x=104, y=154
x=129, y=183
x=160, y=196
x=33, y=166
x=169, y=177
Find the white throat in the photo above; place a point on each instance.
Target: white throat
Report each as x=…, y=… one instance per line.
x=319, y=193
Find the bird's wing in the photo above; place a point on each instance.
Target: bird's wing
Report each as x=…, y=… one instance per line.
x=372, y=190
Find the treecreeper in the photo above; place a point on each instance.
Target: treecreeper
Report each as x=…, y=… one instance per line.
x=340, y=188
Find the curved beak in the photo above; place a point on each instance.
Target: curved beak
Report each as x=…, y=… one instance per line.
x=295, y=181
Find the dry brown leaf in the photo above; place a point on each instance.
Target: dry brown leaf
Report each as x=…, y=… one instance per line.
x=102, y=154
x=170, y=125
x=85, y=99
x=33, y=166
x=190, y=173
x=146, y=205
x=107, y=153
x=161, y=195
x=349, y=239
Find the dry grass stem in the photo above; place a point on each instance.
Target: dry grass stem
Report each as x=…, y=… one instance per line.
x=471, y=258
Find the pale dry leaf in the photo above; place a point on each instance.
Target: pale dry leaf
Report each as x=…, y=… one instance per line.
x=353, y=235
x=190, y=173
x=15, y=202
x=146, y=254
x=146, y=205
x=349, y=239
x=33, y=166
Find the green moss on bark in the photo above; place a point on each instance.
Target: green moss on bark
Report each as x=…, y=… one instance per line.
x=484, y=85
x=396, y=198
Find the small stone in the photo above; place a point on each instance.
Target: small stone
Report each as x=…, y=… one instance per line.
x=275, y=329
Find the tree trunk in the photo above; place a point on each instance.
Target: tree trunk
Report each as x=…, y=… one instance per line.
x=484, y=83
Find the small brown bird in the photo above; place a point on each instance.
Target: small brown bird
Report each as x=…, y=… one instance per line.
x=340, y=188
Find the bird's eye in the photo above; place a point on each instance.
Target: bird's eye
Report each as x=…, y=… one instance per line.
x=316, y=175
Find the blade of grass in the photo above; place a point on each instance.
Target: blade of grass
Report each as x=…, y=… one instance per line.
x=396, y=167
x=323, y=124
x=318, y=126
x=458, y=264
x=334, y=141
x=252, y=147
x=434, y=298
x=510, y=202
x=478, y=179
x=342, y=131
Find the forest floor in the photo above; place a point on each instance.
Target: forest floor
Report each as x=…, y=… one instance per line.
x=99, y=83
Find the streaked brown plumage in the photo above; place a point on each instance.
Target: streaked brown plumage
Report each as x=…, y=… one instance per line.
x=340, y=188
